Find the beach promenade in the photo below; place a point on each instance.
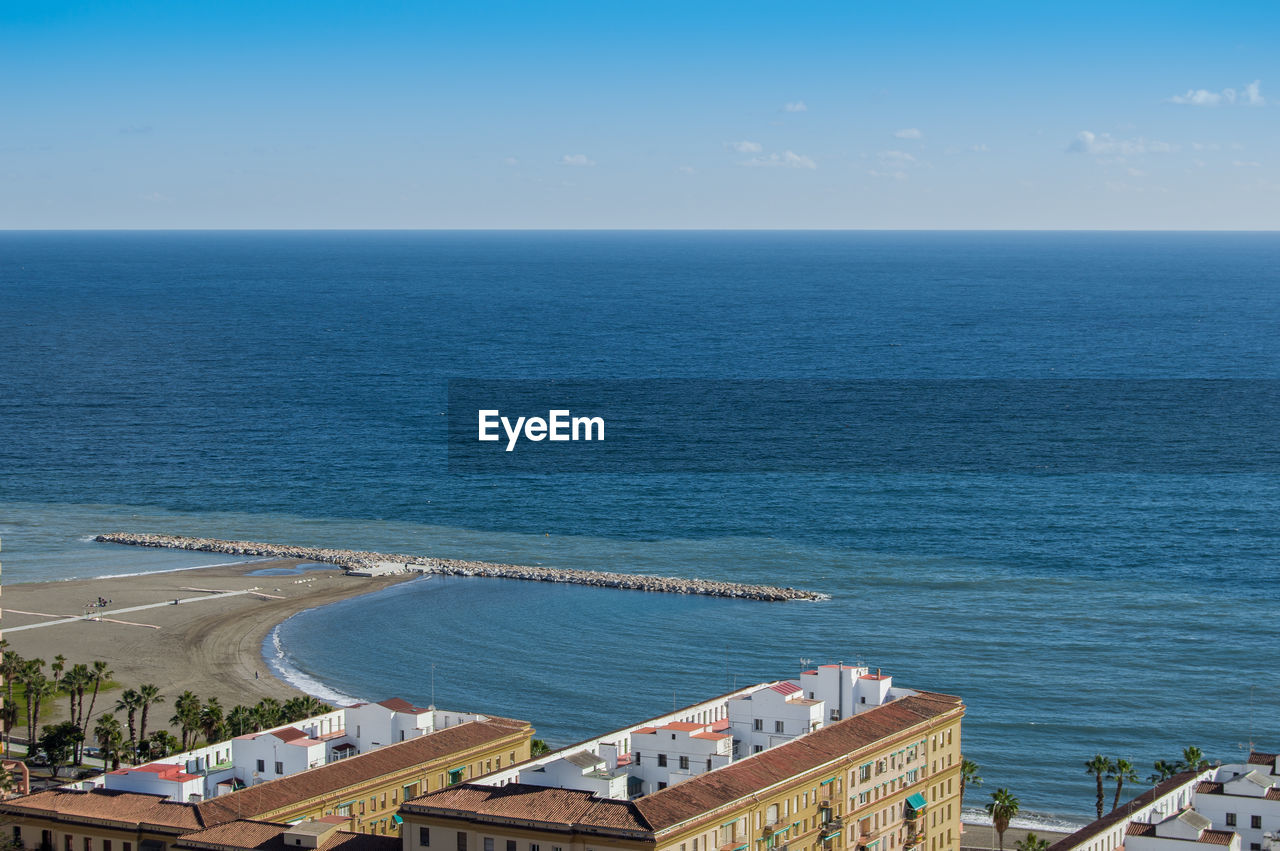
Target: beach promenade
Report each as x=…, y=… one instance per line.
x=209, y=642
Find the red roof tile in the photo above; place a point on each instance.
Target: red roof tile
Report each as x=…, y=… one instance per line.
x=289, y=734
x=785, y=688
x=1217, y=837
x=684, y=726
x=128, y=808
x=396, y=704
x=264, y=836
x=545, y=805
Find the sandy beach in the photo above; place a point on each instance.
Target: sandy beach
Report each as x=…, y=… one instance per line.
x=984, y=836
x=210, y=643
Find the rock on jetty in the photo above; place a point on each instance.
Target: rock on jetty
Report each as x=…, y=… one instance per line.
x=361, y=562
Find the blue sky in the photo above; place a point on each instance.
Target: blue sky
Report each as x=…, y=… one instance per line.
x=639, y=115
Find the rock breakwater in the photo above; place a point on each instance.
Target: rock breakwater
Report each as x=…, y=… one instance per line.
x=364, y=562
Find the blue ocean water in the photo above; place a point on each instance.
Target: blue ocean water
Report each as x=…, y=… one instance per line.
x=292, y=387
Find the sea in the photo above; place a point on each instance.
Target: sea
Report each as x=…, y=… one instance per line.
x=295, y=387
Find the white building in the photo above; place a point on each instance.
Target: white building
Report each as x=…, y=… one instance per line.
x=372, y=725
x=665, y=755
x=772, y=715
x=582, y=770
x=277, y=753
x=1236, y=807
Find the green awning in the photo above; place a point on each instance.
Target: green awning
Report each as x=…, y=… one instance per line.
x=396, y=818
x=825, y=782
x=831, y=835
x=917, y=802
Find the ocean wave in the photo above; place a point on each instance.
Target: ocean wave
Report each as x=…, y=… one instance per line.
x=1029, y=821
x=278, y=661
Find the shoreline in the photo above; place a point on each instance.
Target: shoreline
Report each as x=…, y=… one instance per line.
x=365, y=563
x=211, y=643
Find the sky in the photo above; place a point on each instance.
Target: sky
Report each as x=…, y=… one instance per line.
x=639, y=115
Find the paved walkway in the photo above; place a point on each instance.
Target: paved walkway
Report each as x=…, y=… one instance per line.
x=103, y=615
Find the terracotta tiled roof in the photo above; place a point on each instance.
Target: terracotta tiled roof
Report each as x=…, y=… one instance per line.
x=1138, y=828
x=785, y=688
x=336, y=776
x=563, y=808
x=713, y=736
x=684, y=726
x=1260, y=758
x=1122, y=812
x=163, y=770
x=129, y=808
x=265, y=836
x=1273, y=794
x=289, y=734
x=705, y=792
x=396, y=704
x=1208, y=787
x=1216, y=837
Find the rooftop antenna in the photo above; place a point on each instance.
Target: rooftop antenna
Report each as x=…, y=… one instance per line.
x=804, y=664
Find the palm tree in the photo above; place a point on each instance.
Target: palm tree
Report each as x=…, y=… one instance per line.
x=11, y=665
x=110, y=739
x=77, y=680
x=162, y=743
x=148, y=696
x=269, y=713
x=240, y=721
x=39, y=689
x=101, y=674
x=1163, y=770
x=1031, y=842
x=1122, y=772
x=129, y=703
x=968, y=776
x=1193, y=759
x=1099, y=767
x=186, y=715
x=1002, y=808
x=297, y=708
x=211, y=722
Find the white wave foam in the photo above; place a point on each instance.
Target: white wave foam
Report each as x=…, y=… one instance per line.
x=1029, y=821
x=276, y=658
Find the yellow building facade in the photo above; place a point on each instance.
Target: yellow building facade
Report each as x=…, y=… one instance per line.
x=887, y=779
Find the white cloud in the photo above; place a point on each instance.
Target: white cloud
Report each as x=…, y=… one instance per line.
x=577, y=160
x=510, y=161
x=1103, y=144
x=909, y=133
x=787, y=159
x=1250, y=95
x=979, y=149
x=893, y=164
x=796, y=106
x=745, y=147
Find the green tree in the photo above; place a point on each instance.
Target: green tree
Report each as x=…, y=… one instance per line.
x=268, y=713
x=1099, y=767
x=1002, y=808
x=1122, y=772
x=1163, y=770
x=211, y=721
x=239, y=721
x=186, y=716
x=38, y=689
x=129, y=703
x=968, y=776
x=75, y=683
x=148, y=696
x=537, y=747
x=1193, y=760
x=307, y=706
x=110, y=739
x=162, y=743
x=11, y=666
x=58, y=741
x=101, y=674
x=1031, y=842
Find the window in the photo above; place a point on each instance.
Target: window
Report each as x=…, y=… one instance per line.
x=1255, y=822
x=756, y=749
x=488, y=843
x=511, y=845
x=662, y=759
x=1255, y=846
x=17, y=836
x=87, y=844
x=462, y=840
x=778, y=727
x=708, y=763
x=66, y=843
x=1231, y=819
x=533, y=846
x=262, y=765
x=342, y=810
x=661, y=785
x=864, y=773
x=758, y=724
x=636, y=757
x=424, y=837
x=127, y=846
x=106, y=845
x=684, y=763
x=279, y=768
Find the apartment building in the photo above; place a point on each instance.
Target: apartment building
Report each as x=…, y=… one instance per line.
x=883, y=779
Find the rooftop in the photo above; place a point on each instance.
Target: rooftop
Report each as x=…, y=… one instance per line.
x=127, y=808
x=396, y=704
x=276, y=794
x=264, y=836
x=1122, y=812
x=163, y=770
